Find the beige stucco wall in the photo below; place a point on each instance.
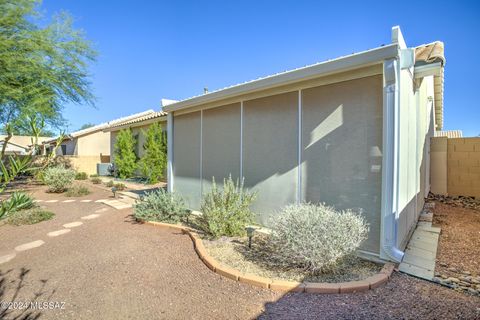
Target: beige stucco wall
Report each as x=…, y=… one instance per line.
x=86, y=164
x=94, y=144
x=463, y=167
x=438, y=165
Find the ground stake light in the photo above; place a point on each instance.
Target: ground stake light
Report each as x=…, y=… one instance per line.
x=250, y=231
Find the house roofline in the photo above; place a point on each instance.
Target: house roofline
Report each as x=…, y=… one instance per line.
x=337, y=65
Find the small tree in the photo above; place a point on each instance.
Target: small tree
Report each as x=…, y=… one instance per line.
x=154, y=161
x=124, y=151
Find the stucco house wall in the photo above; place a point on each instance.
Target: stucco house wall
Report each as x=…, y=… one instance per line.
x=353, y=132
x=341, y=146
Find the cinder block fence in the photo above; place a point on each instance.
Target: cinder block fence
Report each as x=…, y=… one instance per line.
x=455, y=166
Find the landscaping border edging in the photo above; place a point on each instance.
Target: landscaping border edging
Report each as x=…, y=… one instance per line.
x=279, y=285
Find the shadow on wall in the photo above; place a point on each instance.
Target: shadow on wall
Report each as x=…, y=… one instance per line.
x=341, y=142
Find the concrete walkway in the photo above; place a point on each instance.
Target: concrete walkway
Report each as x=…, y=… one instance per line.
x=421, y=252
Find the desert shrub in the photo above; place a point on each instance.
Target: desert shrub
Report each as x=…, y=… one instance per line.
x=81, y=176
x=77, y=191
x=316, y=236
x=29, y=216
x=94, y=175
x=154, y=161
x=125, y=157
x=160, y=205
x=96, y=180
x=58, y=179
x=119, y=186
x=109, y=184
x=57, y=161
x=17, y=201
x=226, y=211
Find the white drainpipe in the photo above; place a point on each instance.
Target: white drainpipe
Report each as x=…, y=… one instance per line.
x=391, y=104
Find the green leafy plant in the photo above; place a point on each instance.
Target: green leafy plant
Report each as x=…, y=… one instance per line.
x=109, y=184
x=58, y=179
x=154, y=161
x=17, y=201
x=29, y=216
x=160, y=205
x=77, y=191
x=44, y=65
x=10, y=169
x=81, y=176
x=226, y=211
x=316, y=237
x=96, y=180
x=124, y=151
x=94, y=175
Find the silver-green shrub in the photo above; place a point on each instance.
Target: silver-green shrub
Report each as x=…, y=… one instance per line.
x=226, y=211
x=160, y=205
x=316, y=236
x=58, y=179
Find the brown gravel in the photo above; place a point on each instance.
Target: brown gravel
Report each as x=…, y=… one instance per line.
x=113, y=268
x=234, y=253
x=459, y=246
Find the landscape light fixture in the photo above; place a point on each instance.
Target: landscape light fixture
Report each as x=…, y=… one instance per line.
x=114, y=191
x=250, y=231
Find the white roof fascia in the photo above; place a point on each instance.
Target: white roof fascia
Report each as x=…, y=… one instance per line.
x=433, y=69
x=337, y=65
x=166, y=102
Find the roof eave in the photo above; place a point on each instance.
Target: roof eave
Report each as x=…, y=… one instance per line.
x=135, y=124
x=341, y=64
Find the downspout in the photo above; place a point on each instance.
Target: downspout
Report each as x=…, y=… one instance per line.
x=391, y=104
x=170, y=152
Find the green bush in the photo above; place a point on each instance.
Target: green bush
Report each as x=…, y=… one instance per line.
x=160, y=205
x=154, y=161
x=96, y=180
x=17, y=201
x=316, y=237
x=94, y=175
x=77, y=191
x=226, y=212
x=81, y=176
x=120, y=186
x=29, y=216
x=109, y=184
x=124, y=150
x=58, y=179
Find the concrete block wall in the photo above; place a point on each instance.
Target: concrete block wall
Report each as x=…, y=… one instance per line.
x=461, y=167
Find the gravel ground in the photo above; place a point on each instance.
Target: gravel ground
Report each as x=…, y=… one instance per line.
x=113, y=268
x=403, y=297
x=459, y=246
x=258, y=261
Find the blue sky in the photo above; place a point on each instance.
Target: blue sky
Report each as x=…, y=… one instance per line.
x=173, y=49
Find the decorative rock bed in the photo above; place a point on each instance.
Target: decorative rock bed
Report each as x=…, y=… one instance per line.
x=371, y=282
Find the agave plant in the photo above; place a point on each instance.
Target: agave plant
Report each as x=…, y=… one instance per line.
x=17, y=201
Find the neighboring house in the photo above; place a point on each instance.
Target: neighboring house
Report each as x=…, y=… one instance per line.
x=138, y=125
x=19, y=145
x=352, y=132
x=87, y=142
x=88, y=147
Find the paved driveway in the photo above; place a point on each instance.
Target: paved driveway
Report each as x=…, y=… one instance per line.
x=109, y=267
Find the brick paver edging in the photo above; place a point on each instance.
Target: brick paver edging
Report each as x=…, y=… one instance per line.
x=280, y=285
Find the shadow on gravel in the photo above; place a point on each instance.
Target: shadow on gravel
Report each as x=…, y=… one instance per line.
x=11, y=294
